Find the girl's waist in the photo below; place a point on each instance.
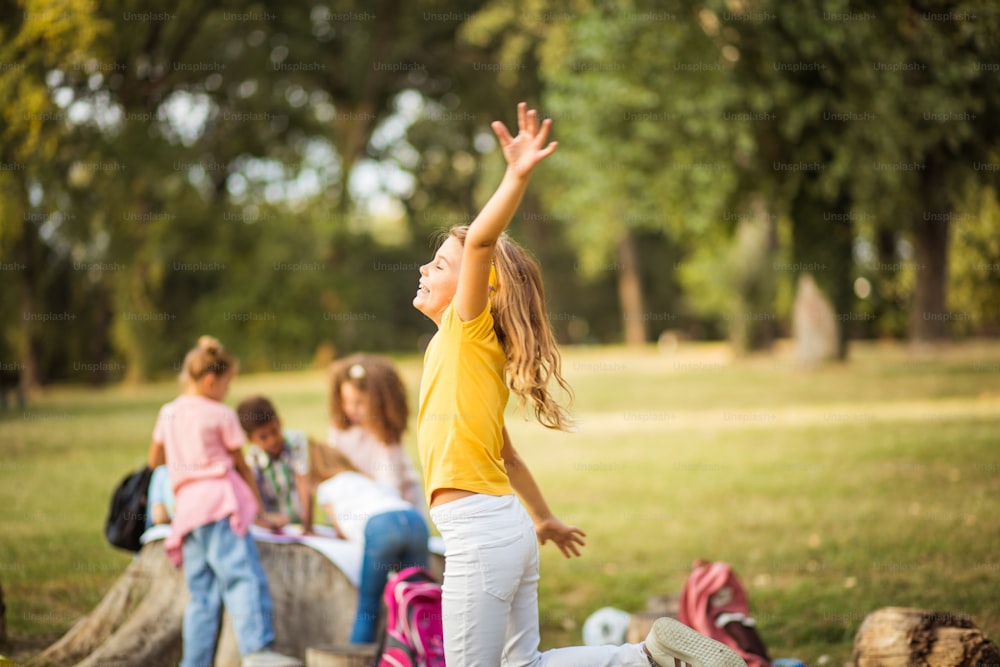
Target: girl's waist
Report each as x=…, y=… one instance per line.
x=478, y=509
x=445, y=496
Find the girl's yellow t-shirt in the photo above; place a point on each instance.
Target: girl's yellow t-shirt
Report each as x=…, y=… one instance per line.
x=463, y=395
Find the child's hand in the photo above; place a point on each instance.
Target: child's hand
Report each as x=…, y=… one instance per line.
x=272, y=521
x=566, y=537
x=528, y=148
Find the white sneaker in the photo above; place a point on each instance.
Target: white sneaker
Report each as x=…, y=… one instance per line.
x=270, y=659
x=670, y=642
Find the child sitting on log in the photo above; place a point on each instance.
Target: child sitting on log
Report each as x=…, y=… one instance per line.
x=160, y=498
x=279, y=461
x=362, y=510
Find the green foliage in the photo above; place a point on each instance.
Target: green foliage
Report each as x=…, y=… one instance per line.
x=243, y=135
x=193, y=156
x=645, y=142
x=36, y=36
x=975, y=265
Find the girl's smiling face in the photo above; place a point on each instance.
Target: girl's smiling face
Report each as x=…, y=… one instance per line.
x=439, y=280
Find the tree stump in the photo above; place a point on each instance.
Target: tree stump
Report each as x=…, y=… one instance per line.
x=138, y=620
x=340, y=656
x=138, y=623
x=899, y=637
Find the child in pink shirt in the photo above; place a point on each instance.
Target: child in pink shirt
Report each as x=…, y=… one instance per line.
x=216, y=500
x=368, y=416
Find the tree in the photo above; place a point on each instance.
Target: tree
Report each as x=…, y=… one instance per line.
x=638, y=146
x=174, y=132
x=934, y=77
x=34, y=38
x=890, y=103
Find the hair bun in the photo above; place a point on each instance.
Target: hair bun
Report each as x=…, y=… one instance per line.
x=210, y=344
x=208, y=356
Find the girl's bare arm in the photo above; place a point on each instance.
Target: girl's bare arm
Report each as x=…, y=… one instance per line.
x=547, y=525
x=522, y=153
x=157, y=454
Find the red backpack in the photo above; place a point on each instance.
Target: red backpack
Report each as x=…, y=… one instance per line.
x=714, y=603
x=413, y=631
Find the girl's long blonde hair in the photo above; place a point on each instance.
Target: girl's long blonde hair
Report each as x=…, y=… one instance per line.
x=521, y=323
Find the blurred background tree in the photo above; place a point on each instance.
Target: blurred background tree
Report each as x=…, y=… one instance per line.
x=275, y=173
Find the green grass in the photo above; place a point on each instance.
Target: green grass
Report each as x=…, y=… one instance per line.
x=832, y=492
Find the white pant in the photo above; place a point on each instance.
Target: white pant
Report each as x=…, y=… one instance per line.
x=490, y=591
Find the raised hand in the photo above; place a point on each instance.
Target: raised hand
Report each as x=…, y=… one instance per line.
x=567, y=538
x=529, y=147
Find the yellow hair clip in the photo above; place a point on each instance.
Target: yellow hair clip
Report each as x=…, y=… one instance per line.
x=493, y=278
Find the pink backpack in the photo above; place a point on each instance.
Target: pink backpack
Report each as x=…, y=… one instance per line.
x=413, y=634
x=714, y=603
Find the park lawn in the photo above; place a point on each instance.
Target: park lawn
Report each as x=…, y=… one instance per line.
x=832, y=492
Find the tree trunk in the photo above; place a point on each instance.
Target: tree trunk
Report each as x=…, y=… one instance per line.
x=133, y=294
x=100, y=349
x=630, y=291
x=138, y=623
x=353, y=130
x=768, y=330
x=542, y=236
x=814, y=324
x=890, y=320
x=931, y=236
x=3, y=619
x=30, y=379
x=752, y=325
x=898, y=637
x=822, y=244
x=133, y=332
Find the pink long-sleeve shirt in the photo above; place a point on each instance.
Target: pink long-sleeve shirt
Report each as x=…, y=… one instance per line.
x=198, y=435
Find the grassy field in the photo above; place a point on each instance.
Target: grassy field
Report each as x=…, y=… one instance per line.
x=832, y=492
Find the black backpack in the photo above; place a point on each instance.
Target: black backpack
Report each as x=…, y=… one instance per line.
x=126, y=520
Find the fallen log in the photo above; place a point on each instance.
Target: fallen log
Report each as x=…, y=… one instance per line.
x=138, y=623
x=901, y=637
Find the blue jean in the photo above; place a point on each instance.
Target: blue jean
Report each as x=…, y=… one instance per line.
x=221, y=567
x=393, y=541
